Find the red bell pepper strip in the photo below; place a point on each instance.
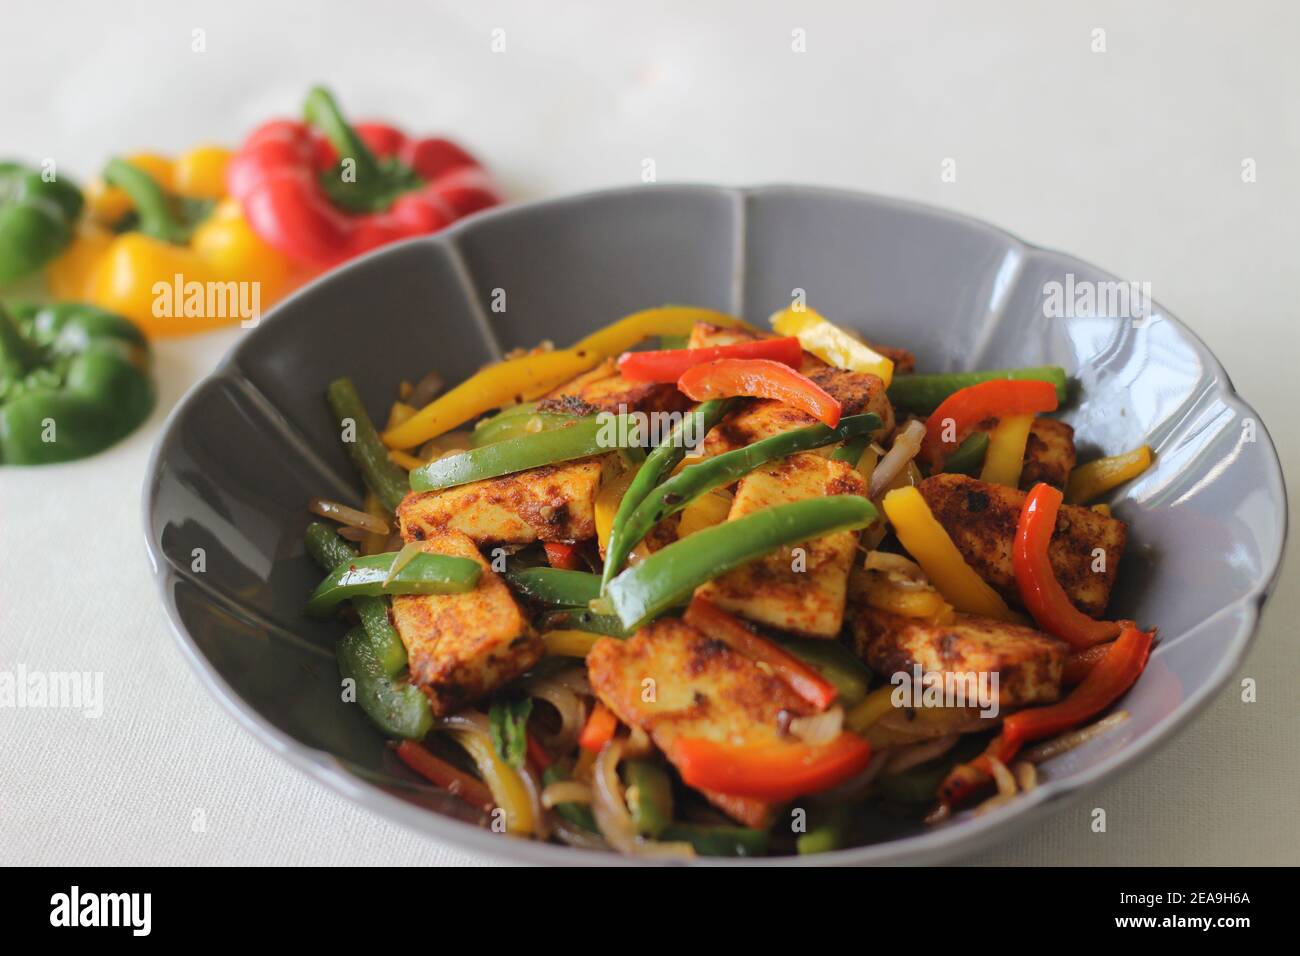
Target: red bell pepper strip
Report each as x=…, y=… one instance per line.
x=561, y=554
x=760, y=378
x=712, y=621
x=442, y=774
x=1106, y=683
x=1109, y=679
x=1040, y=592
x=599, y=729
x=1079, y=664
x=288, y=179
x=669, y=365
x=774, y=771
x=970, y=406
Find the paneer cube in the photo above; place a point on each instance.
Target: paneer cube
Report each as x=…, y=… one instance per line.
x=462, y=647
x=551, y=503
x=981, y=519
x=1028, y=663
x=802, y=594
x=675, y=683
x=604, y=389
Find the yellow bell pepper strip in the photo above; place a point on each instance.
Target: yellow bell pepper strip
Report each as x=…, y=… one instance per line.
x=519, y=379
x=134, y=272
x=569, y=643
x=870, y=711
x=928, y=543
x=608, y=498
x=1098, y=477
x=531, y=376
x=704, y=512
x=1006, y=451
x=620, y=336
x=508, y=790
x=832, y=344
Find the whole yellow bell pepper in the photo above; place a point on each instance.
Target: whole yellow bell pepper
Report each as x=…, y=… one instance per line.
x=168, y=277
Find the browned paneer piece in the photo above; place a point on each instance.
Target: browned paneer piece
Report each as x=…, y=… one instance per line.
x=462, y=647
x=1028, y=662
x=1049, y=451
x=551, y=503
x=675, y=683
x=857, y=393
x=603, y=389
x=802, y=592
x=981, y=520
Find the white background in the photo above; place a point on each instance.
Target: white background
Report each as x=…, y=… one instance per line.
x=1130, y=158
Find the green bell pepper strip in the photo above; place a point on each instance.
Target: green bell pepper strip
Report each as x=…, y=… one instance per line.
x=329, y=550
x=831, y=833
x=397, y=707
x=689, y=483
x=556, y=586
x=922, y=394
x=74, y=380
x=579, y=814
x=835, y=662
x=657, y=464
x=389, y=482
x=668, y=577
x=423, y=574
x=851, y=451
x=581, y=619
x=649, y=795
x=37, y=219
x=711, y=840
x=587, y=436
x=968, y=459
x=376, y=658
x=514, y=422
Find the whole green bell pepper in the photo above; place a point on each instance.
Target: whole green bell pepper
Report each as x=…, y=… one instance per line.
x=37, y=217
x=74, y=379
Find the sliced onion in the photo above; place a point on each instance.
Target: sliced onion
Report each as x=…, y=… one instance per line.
x=609, y=808
x=425, y=390
x=542, y=826
x=344, y=515
x=819, y=728
x=576, y=836
x=403, y=558
x=357, y=535
x=907, y=444
x=1026, y=775
x=913, y=755
x=1075, y=738
x=565, y=791
x=573, y=714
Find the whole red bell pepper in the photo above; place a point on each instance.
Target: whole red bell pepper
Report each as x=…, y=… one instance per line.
x=668, y=365
x=760, y=378
x=777, y=771
x=970, y=406
x=323, y=191
x=1041, y=593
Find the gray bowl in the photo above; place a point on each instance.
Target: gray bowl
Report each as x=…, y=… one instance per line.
x=244, y=449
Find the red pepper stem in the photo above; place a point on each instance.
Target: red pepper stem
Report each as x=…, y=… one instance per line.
x=322, y=112
x=151, y=202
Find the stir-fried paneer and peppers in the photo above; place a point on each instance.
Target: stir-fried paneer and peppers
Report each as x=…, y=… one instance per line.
x=694, y=588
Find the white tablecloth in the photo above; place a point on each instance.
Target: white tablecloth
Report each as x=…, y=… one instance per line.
x=1131, y=157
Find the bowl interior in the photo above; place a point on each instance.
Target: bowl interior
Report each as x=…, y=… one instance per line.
x=240, y=455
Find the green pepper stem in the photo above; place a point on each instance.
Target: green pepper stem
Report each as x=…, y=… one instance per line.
x=16, y=353
x=150, y=200
x=322, y=112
